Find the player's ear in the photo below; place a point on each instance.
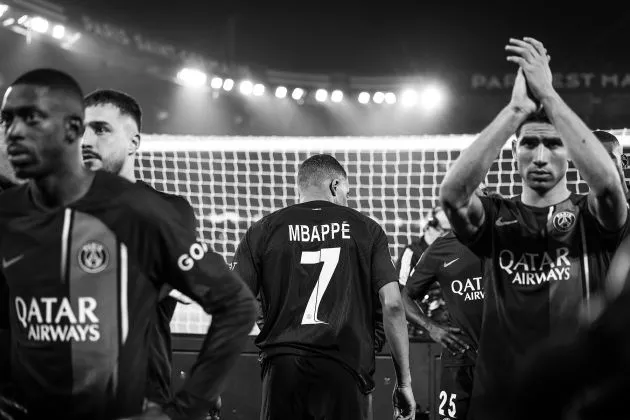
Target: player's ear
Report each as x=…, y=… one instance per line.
x=334, y=184
x=74, y=129
x=134, y=145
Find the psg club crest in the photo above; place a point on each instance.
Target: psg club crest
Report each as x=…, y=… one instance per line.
x=93, y=257
x=563, y=221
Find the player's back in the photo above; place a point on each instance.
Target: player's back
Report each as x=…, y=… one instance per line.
x=318, y=284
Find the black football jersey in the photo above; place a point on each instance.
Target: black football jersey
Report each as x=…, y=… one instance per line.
x=318, y=267
x=459, y=272
x=540, y=266
x=81, y=285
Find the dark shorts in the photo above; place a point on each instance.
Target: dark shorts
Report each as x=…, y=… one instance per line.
x=456, y=384
x=307, y=387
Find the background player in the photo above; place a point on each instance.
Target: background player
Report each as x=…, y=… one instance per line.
x=78, y=326
x=321, y=268
x=409, y=257
x=113, y=121
x=535, y=244
x=615, y=151
x=459, y=273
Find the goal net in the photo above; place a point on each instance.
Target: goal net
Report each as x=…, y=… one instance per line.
x=232, y=182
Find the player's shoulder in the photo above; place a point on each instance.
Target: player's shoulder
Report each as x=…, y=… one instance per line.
x=176, y=200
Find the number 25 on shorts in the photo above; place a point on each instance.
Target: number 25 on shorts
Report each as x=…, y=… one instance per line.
x=330, y=258
x=452, y=409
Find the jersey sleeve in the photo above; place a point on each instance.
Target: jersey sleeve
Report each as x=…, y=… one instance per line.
x=481, y=243
x=383, y=270
x=248, y=257
x=424, y=273
x=200, y=273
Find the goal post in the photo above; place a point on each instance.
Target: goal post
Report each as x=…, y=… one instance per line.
x=232, y=182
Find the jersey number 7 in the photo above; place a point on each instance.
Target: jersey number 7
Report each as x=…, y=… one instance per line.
x=330, y=258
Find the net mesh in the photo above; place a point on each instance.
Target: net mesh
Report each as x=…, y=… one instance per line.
x=233, y=182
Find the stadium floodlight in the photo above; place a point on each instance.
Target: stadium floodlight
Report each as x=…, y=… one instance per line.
x=297, y=94
x=192, y=77
x=259, y=89
x=321, y=95
x=228, y=85
x=409, y=97
x=390, y=98
x=22, y=20
x=216, y=83
x=246, y=87
x=3, y=9
x=39, y=24
x=378, y=97
x=58, y=31
x=364, y=98
x=8, y=22
x=432, y=98
x=336, y=96
x=281, y=92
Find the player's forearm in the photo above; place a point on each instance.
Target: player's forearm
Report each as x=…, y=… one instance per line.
x=585, y=150
x=221, y=348
x=471, y=167
x=413, y=312
x=398, y=339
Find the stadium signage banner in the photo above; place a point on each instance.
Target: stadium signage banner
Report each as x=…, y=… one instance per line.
x=569, y=80
x=112, y=33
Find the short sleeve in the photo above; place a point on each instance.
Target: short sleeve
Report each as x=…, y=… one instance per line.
x=481, y=242
x=247, y=260
x=424, y=273
x=383, y=270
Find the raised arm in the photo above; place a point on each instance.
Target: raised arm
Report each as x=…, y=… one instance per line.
x=203, y=275
x=607, y=201
x=457, y=192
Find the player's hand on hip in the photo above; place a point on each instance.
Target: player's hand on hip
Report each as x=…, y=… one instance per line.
x=11, y=410
x=532, y=58
x=404, y=403
x=447, y=337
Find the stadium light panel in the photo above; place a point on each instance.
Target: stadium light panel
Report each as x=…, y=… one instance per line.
x=8, y=22
x=58, y=31
x=216, y=83
x=259, y=89
x=364, y=98
x=281, y=92
x=39, y=24
x=3, y=9
x=297, y=93
x=390, y=98
x=22, y=20
x=336, y=96
x=409, y=97
x=228, y=85
x=192, y=77
x=378, y=97
x=432, y=98
x=246, y=87
x=321, y=95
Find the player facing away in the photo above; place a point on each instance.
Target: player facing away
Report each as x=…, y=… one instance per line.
x=84, y=258
x=459, y=272
x=113, y=121
x=321, y=269
x=540, y=261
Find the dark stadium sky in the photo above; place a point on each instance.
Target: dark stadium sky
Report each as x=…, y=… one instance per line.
x=388, y=37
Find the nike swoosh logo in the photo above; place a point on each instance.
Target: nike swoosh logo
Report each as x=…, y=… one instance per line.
x=501, y=222
x=451, y=262
x=8, y=263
